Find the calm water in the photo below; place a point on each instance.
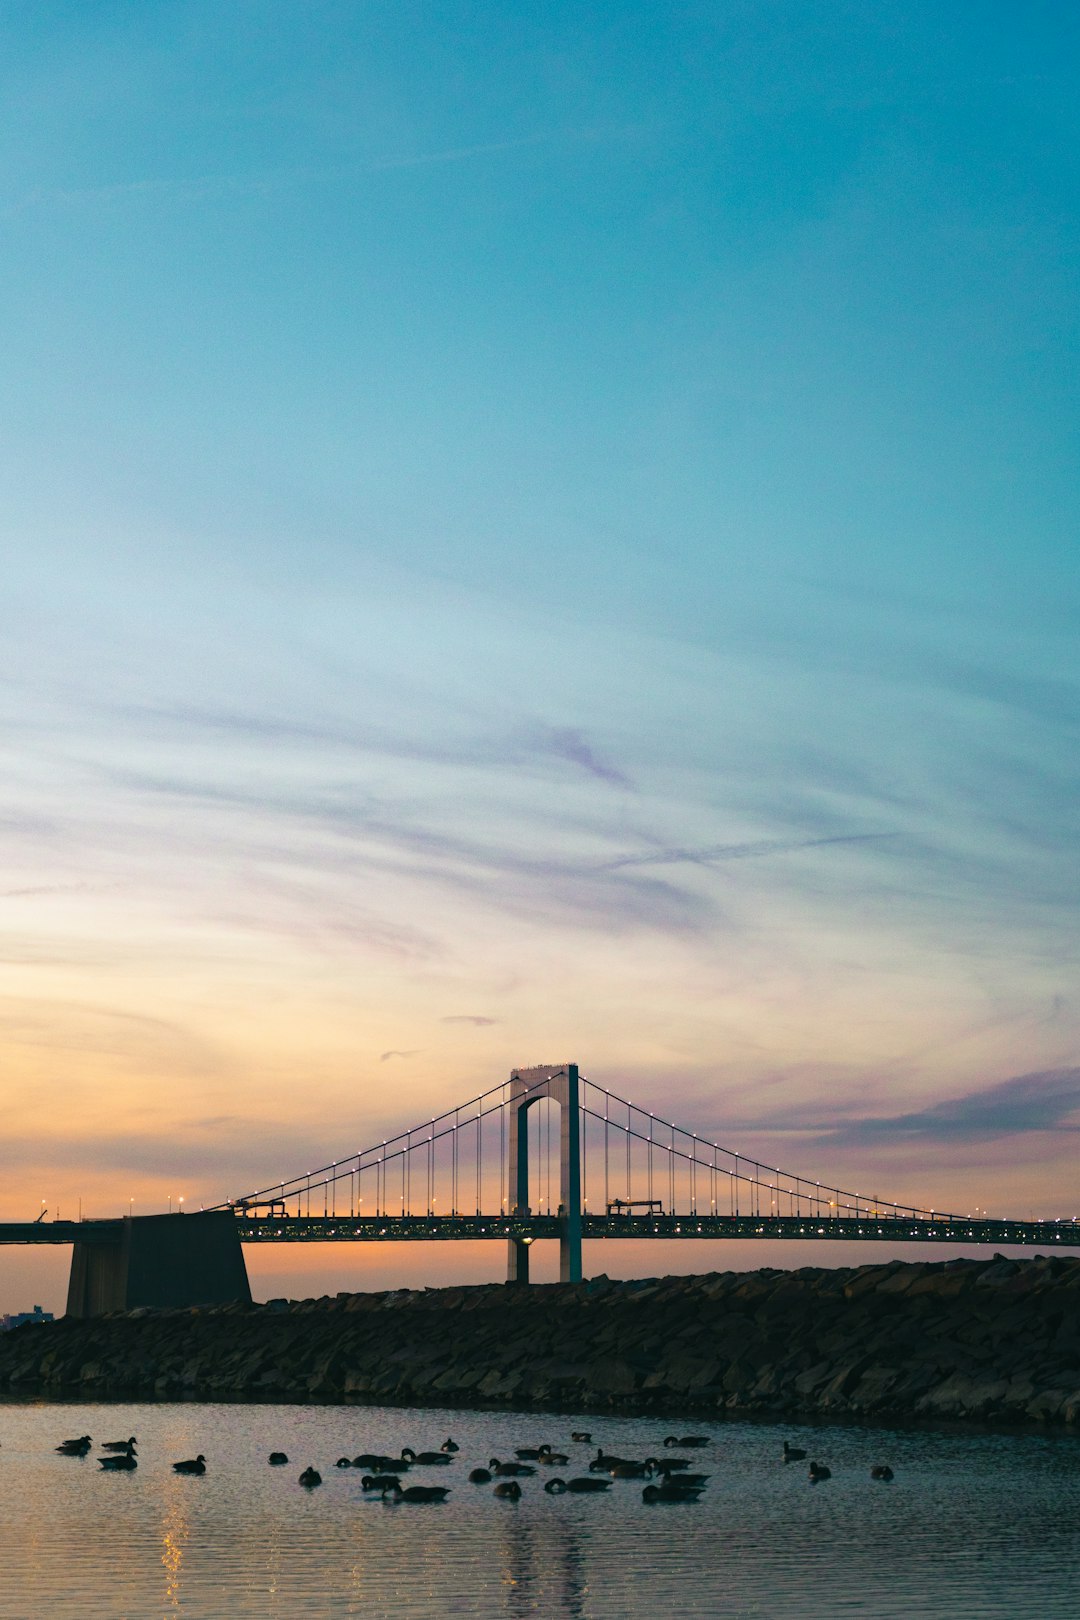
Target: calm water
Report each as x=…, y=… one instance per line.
x=973, y=1526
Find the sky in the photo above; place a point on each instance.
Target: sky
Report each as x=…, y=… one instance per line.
x=536, y=533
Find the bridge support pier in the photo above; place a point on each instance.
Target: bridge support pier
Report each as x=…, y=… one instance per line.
x=528, y=1086
x=160, y=1260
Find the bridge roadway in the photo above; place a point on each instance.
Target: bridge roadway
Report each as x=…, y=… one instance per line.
x=531, y=1228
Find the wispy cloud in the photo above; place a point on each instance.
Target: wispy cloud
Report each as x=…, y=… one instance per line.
x=1046, y=1100
x=414, y=1051
x=455, y=154
x=468, y=1018
x=569, y=744
x=513, y=749
x=714, y=854
x=197, y=188
x=222, y=1154
x=50, y=888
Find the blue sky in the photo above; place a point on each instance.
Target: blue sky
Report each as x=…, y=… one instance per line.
x=564, y=517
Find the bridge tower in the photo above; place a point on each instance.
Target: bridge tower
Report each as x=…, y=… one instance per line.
x=528, y=1086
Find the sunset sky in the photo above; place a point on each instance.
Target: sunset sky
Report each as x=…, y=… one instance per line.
x=536, y=533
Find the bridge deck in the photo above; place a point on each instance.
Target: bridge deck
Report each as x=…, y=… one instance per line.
x=443, y=1228
x=61, y=1231
x=449, y=1228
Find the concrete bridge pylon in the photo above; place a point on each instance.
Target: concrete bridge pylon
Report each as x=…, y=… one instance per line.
x=560, y=1082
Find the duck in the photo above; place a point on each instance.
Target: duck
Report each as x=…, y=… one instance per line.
x=480, y=1476
x=119, y=1445
x=627, y=1470
x=424, y=1459
x=379, y=1482
x=529, y=1453
x=310, y=1478
x=793, y=1454
x=818, y=1471
x=605, y=1460
x=557, y=1459
x=508, y=1489
x=191, y=1465
x=581, y=1436
x=510, y=1468
x=418, y=1493
x=343, y=1462
x=588, y=1482
x=687, y=1440
x=669, y=1465
x=669, y=1491
x=277, y=1458
x=376, y=1463
x=882, y=1471
x=123, y=1462
x=75, y=1448
x=449, y=1445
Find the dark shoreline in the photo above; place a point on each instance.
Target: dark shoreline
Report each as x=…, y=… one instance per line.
x=976, y=1344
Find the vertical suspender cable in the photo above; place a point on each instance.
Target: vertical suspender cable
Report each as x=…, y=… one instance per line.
x=671, y=1172
x=583, y=1147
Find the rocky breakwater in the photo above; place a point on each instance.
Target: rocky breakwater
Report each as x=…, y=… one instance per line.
x=994, y=1340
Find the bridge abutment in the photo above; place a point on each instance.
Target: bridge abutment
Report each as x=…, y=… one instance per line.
x=160, y=1260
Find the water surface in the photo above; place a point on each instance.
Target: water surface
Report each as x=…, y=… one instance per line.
x=974, y=1525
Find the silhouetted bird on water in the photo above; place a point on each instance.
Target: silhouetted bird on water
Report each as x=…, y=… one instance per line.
x=881, y=1471
x=582, y=1436
x=277, y=1458
x=449, y=1445
x=123, y=1463
x=819, y=1471
x=510, y=1468
x=591, y=1482
x=508, y=1488
x=687, y=1440
x=191, y=1465
x=310, y=1478
x=605, y=1461
x=419, y=1493
x=480, y=1476
x=379, y=1482
x=793, y=1454
x=119, y=1445
x=75, y=1448
x=671, y=1491
x=424, y=1459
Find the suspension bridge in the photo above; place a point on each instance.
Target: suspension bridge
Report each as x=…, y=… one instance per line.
x=589, y=1166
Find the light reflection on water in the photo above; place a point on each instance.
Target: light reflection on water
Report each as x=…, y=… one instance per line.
x=974, y=1527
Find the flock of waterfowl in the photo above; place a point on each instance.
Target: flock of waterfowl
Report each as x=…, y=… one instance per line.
x=668, y=1478
x=121, y=1456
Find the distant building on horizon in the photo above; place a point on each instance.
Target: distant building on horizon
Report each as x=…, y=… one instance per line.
x=17, y=1318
